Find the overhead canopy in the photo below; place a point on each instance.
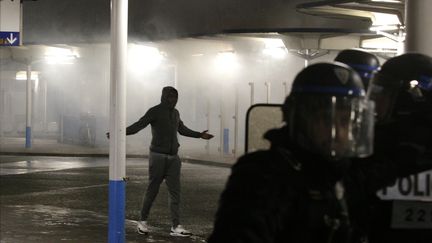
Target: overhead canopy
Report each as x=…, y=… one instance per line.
x=354, y=9
x=65, y=21
x=301, y=24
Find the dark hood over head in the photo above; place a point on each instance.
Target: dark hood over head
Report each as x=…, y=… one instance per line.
x=169, y=97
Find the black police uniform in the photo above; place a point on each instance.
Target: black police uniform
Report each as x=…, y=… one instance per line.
x=403, y=148
x=403, y=140
x=288, y=195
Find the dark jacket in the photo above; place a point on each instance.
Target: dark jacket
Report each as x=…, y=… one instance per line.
x=268, y=195
x=165, y=123
x=402, y=147
x=282, y=195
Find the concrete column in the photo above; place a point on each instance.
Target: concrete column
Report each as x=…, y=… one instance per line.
x=306, y=61
x=418, y=26
x=175, y=76
x=236, y=114
x=268, y=89
x=221, y=131
x=29, y=104
x=208, y=127
x=45, y=92
x=252, y=93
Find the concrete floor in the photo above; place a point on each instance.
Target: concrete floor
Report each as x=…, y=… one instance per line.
x=65, y=199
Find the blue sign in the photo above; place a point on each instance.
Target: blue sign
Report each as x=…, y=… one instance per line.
x=9, y=38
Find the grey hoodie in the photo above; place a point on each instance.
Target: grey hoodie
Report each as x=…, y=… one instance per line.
x=165, y=123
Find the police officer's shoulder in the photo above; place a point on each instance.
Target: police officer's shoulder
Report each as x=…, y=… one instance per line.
x=261, y=160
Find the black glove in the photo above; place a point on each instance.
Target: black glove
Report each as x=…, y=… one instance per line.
x=408, y=130
x=406, y=142
x=415, y=129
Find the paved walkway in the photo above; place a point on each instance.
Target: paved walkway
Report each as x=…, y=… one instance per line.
x=65, y=199
x=56, y=192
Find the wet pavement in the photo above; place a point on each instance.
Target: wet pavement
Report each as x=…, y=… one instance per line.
x=65, y=199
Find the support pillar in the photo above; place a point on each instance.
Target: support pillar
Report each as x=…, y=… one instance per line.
x=268, y=89
x=235, y=117
x=28, y=141
x=252, y=93
x=418, y=26
x=117, y=153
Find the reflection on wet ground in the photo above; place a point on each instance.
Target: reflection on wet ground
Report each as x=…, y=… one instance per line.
x=50, y=199
x=40, y=164
x=62, y=225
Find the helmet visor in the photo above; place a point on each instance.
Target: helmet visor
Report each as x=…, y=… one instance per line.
x=383, y=91
x=333, y=126
x=393, y=96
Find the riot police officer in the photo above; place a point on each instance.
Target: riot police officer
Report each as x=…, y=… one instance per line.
x=365, y=63
x=296, y=191
x=402, y=90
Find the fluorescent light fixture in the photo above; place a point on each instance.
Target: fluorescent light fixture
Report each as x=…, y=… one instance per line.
x=387, y=1
x=226, y=60
x=384, y=28
x=143, y=57
x=273, y=43
x=275, y=48
x=382, y=43
x=225, y=57
x=278, y=53
x=57, y=55
x=383, y=19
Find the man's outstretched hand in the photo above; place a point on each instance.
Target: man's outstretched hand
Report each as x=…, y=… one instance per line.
x=206, y=136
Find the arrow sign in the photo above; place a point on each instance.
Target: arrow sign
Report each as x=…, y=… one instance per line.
x=9, y=38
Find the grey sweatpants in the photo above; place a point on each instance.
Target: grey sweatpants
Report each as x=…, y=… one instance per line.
x=163, y=166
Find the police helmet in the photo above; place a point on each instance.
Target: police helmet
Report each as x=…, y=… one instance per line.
x=365, y=63
x=403, y=86
x=327, y=112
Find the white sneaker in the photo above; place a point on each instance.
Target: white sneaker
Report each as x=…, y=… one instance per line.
x=142, y=227
x=180, y=231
